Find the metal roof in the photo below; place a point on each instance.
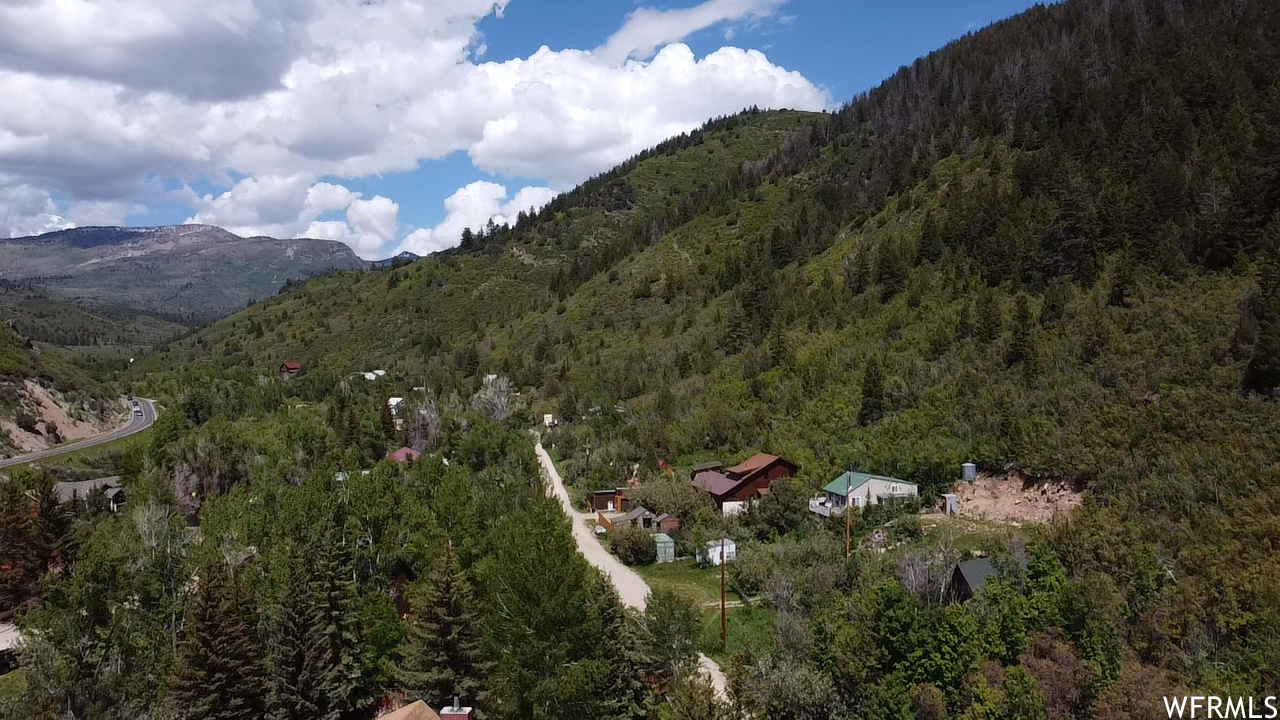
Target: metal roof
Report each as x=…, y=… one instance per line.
x=976, y=572
x=715, y=482
x=856, y=480
x=68, y=491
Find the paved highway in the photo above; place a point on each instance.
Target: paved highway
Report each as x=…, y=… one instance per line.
x=137, y=423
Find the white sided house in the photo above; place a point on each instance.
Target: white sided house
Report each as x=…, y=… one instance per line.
x=860, y=490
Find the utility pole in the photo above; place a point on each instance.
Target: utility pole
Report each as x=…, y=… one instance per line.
x=724, y=628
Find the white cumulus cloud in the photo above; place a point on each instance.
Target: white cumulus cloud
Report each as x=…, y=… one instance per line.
x=647, y=29
x=266, y=99
x=473, y=206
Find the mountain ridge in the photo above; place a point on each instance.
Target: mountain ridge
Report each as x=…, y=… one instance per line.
x=197, y=272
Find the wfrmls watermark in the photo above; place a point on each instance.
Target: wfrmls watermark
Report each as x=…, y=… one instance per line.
x=1216, y=706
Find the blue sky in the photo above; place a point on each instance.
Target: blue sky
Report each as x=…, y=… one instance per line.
x=846, y=47
x=392, y=125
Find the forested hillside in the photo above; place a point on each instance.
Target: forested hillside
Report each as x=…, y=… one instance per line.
x=1049, y=247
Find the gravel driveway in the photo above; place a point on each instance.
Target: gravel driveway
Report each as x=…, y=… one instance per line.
x=630, y=585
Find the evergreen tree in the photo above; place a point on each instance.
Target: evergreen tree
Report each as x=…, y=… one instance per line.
x=52, y=522
x=441, y=656
x=990, y=320
x=294, y=634
x=218, y=672
x=1262, y=375
x=1022, y=698
x=670, y=628
x=18, y=563
x=693, y=698
x=872, y=393
x=932, y=244
x=387, y=421
x=891, y=272
x=331, y=657
x=1020, y=348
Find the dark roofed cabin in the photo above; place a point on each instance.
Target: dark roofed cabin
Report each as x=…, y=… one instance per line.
x=614, y=500
x=968, y=578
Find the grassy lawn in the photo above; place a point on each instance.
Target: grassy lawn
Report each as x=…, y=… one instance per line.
x=749, y=628
x=701, y=585
x=12, y=685
x=966, y=535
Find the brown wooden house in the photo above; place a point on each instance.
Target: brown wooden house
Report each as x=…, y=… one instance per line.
x=756, y=473
x=614, y=500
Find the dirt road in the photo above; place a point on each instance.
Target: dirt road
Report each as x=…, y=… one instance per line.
x=631, y=587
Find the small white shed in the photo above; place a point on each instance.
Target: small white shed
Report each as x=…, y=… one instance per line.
x=710, y=554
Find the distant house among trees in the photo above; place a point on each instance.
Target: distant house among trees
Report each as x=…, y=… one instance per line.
x=82, y=489
x=746, y=481
x=862, y=489
x=404, y=454
x=416, y=710
x=419, y=710
x=610, y=500
x=641, y=518
x=289, y=368
x=968, y=578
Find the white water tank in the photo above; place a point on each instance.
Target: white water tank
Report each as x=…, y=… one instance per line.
x=969, y=472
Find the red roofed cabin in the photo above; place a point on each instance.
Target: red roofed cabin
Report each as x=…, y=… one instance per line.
x=720, y=486
x=745, y=481
x=289, y=368
x=757, y=472
x=404, y=454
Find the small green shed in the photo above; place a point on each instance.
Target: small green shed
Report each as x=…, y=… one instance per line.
x=666, y=547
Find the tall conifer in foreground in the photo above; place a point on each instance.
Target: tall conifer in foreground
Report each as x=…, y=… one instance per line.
x=294, y=634
x=331, y=656
x=441, y=655
x=218, y=671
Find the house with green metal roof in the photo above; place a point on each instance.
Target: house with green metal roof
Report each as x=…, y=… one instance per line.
x=860, y=490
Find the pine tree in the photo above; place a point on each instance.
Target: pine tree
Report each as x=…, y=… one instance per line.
x=52, y=522
x=1020, y=348
x=218, y=672
x=1262, y=375
x=294, y=634
x=990, y=321
x=331, y=658
x=387, y=421
x=872, y=393
x=18, y=571
x=891, y=272
x=440, y=656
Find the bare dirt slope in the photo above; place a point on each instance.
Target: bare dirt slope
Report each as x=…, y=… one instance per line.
x=1012, y=498
x=50, y=419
